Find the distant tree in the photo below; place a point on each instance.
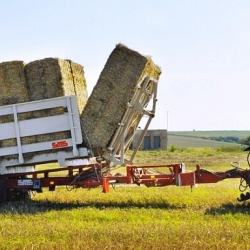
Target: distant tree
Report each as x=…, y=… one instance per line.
x=225, y=139
x=231, y=139
x=245, y=141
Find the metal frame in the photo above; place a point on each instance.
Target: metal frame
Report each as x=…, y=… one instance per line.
x=91, y=175
x=145, y=91
x=69, y=121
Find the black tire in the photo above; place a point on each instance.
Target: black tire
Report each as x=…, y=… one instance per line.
x=18, y=195
x=3, y=190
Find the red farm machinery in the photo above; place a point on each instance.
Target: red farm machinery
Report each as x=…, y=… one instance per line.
x=18, y=174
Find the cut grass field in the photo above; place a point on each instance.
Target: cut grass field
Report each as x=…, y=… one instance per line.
x=213, y=133
x=132, y=217
x=190, y=141
x=186, y=139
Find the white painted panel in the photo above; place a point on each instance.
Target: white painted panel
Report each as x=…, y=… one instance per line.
x=44, y=125
x=35, y=147
x=7, y=130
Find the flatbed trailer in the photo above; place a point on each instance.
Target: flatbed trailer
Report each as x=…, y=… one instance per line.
x=18, y=160
x=95, y=175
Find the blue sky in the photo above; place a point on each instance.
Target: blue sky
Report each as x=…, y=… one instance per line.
x=202, y=47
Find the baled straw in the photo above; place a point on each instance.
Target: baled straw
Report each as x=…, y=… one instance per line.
x=109, y=98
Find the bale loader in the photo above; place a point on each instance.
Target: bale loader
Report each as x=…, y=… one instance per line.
x=18, y=164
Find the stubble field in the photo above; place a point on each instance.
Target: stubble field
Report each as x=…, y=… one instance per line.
x=132, y=217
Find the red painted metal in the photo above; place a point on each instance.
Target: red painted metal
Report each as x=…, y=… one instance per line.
x=105, y=185
x=91, y=176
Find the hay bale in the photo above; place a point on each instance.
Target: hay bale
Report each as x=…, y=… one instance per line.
x=40, y=79
x=13, y=90
x=108, y=100
x=80, y=85
x=12, y=83
x=53, y=77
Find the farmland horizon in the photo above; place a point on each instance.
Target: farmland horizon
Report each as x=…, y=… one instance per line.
x=208, y=130
x=207, y=138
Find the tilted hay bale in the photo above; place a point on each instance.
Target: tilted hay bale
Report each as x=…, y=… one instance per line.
x=115, y=87
x=13, y=90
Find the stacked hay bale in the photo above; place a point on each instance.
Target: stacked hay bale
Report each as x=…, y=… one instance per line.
x=13, y=90
x=80, y=85
x=53, y=77
x=108, y=101
x=41, y=79
x=12, y=83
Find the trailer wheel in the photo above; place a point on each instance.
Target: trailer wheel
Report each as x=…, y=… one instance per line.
x=17, y=195
x=3, y=190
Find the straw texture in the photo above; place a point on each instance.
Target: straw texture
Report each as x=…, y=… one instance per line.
x=13, y=90
x=53, y=77
x=40, y=79
x=108, y=100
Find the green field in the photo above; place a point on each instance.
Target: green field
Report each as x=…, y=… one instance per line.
x=136, y=217
x=185, y=139
x=188, y=141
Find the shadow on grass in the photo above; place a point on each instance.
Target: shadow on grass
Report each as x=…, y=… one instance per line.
x=33, y=207
x=229, y=208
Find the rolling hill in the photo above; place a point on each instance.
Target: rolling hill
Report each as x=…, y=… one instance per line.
x=213, y=139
